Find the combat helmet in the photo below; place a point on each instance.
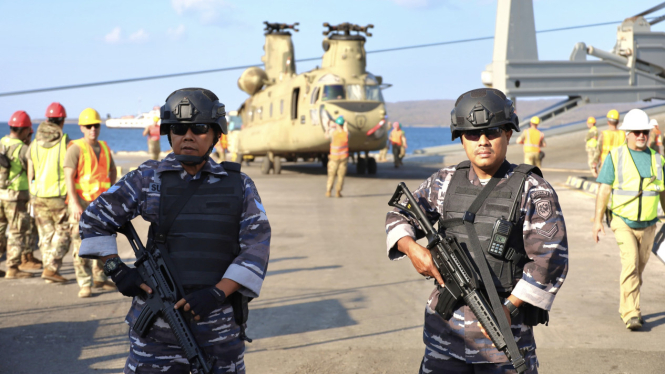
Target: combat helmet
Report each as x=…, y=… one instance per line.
x=193, y=105
x=481, y=109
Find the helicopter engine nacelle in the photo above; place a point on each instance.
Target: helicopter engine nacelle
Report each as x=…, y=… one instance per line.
x=252, y=80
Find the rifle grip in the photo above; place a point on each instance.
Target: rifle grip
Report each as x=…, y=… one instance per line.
x=144, y=321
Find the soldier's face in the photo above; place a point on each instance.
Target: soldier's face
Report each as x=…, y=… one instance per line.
x=486, y=152
x=191, y=144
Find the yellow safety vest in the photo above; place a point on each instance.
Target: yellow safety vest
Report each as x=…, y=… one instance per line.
x=611, y=140
x=49, y=172
x=532, y=139
x=628, y=183
x=18, y=177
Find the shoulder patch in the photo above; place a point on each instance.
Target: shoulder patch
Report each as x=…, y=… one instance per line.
x=544, y=209
x=540, y=194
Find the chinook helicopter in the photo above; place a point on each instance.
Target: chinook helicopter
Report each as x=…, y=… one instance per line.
x=288, y=115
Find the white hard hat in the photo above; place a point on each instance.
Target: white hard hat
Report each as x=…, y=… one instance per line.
x=635, y=120
x=653, y=122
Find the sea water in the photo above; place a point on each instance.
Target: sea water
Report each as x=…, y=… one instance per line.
x=132, y=140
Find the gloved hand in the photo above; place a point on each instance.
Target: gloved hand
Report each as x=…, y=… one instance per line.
x=203, y=302
x=128, y=280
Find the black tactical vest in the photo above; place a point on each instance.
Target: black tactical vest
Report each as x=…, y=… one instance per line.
x=204, y=238
x=460, y=195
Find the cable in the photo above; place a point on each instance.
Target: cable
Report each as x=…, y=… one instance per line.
x=153, y=77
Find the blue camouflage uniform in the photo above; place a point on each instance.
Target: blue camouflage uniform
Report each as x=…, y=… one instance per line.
x=137, y=193
x=451, y=345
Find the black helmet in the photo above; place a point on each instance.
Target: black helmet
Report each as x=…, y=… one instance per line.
x=481, y=109
x=193, y=105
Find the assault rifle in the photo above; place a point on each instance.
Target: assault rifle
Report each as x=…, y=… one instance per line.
x=155, y=273
x=460, y=279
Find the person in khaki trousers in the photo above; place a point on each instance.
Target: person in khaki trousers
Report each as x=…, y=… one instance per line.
x=634, y=177
x=339, y=155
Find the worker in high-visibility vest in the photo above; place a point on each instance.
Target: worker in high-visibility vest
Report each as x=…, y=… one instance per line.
x=221, y=147
x=655, y=137
x=608, y=139
x=633, y=174
x=398, y=141
x=533, y=140
x=591, y=141
x=14, y=196
x=339, y=155
x=48, y=191
x=89, y=172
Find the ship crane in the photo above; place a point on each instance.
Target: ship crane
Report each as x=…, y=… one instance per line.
x=633, y=71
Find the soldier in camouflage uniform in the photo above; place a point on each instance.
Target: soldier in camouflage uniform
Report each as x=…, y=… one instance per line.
x=14, y=194
x=140, y=192
x=459, y=345
x=48, y=191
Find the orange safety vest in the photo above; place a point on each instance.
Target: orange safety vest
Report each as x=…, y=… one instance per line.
x=532, y=139
x=396, y=137
x=92, y=177
x=224, y=141
x=339, y=146
x=611, y=140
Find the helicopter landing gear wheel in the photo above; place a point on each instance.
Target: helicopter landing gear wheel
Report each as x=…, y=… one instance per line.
x=324, y=161
x=277, y=165
x=266, y=165
x=361, y=166
x=371, y=165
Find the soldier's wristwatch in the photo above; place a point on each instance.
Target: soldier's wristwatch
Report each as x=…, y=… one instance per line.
x=514, y=311
x=112, y=265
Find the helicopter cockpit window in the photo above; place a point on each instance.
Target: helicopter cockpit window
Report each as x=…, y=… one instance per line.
x=354, y=92
x=373, y=93
x=333, y=92
x=235, y=123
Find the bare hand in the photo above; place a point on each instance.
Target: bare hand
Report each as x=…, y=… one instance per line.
x=420, y=257
x=505, y=310
x=145, y=288
x=597, y=227
x=186, y=308
x=76, y=210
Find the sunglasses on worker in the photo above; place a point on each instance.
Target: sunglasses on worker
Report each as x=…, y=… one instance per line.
x=197, y=128
x=640, y=132
x=96, y=125
x=491, y=133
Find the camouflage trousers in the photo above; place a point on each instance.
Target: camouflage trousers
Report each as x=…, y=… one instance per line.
x=437, y=363
x=53, y=227
x=336, y=168
x=149, y=356
x=14, y=214
x=86, y=270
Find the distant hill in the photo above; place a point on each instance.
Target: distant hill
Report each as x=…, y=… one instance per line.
x=437, y=112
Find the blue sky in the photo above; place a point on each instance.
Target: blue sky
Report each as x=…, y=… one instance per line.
x=54, y=43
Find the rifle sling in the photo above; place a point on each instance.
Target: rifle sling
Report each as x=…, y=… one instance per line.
x=483, y=267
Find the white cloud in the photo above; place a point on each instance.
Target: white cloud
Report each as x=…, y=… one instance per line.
x=113, y=37
x=139, y=37
x=177, y=33
x=209, y=11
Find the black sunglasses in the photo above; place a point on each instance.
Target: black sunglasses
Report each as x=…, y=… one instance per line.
x=96, y=125
x=643, y=132
x=197, y=128
x=491, y=133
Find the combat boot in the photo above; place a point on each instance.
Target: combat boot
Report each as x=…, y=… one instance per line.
x=2, y=274
x=31, y=258
x=85, y=291
x=338, y=194
x=106, y=286
x=14, y=273
x=26, y=264
x=53, y=276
